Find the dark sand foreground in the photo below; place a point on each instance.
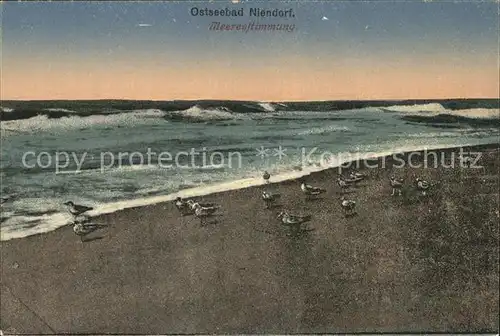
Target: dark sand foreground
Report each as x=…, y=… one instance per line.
x=403, y=264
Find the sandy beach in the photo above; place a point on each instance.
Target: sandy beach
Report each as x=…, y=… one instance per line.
x=402, y=264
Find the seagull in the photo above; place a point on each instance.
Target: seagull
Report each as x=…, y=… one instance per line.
x=203, y=212
x=422, y=185
x=397, y=185
x=76, y=209
x=342, y=184
x=266, y=176
x=353, y=179
x=293, y=220
x=269, y=198
x=355, y=175
x=309, y=190
x=82, y=229
x=183, y=206
x=192, y=204
x=348, y=206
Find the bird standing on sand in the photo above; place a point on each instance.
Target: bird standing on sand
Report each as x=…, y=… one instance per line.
x=76, y=209
x=355, y=175
x=293, y=220
x=342, y=184
x=82, y=229
x=192, y=204
x=203, y=212
x=269, y=198
x=348, y=206
x=397, y=185
x=422, y=185
x=266, y=176
x=311, y=191
x=183, y=206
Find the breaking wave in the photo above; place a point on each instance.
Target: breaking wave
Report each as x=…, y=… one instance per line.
x=199, y=114
x=433, y=107
x=267, y=107
x=44, y=122
x=453, y=120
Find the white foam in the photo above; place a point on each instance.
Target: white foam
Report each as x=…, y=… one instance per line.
x=478, y=113
x=267, y=107
x=42, y=122
x=10, y=228
x=58, y=110
x=432, y=107
x=436, y=108
x=6, y=109
x=198, y=113
x=323, y=130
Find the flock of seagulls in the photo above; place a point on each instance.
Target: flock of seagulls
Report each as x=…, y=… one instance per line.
x=203, y=211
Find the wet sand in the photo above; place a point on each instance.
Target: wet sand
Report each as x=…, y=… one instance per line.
x=402, y=264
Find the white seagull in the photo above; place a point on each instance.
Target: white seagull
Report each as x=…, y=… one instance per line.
x=348, y=206
x=422, y=185
x=342, y=184
x=293, y=220
x=82, y=229
x=183, y=206
x=193, y=204
x=269, y=198
x=397, y=185
x=309, y=190
x=76, y=209
x=203, y=212
x=355, y=175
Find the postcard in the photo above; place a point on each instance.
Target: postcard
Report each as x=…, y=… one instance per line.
x=249, y=167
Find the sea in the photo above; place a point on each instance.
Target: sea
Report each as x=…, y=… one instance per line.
x=117, y=154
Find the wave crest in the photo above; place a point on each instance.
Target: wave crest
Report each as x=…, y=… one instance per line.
x=199, y=114
x=432, y=107
x=43, y=122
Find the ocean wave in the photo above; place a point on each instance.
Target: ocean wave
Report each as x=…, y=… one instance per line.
x=485, y=113
x=432, y=107
x=199, y=114
x=324, y=130
x=269, y=107
x=43, y=122
x=13, y=110
x=59, y=110
x=6, y=109
x=472, y=118
x=435, y=109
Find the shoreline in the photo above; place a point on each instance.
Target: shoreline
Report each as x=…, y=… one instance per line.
x=402, y=264
x=227, y=186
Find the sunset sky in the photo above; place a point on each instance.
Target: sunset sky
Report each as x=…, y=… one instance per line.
x=338, y=50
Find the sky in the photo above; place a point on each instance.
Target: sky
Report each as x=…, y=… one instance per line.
x=337, y=50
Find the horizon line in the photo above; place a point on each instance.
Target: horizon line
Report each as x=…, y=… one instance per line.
x=248, y=100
